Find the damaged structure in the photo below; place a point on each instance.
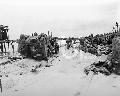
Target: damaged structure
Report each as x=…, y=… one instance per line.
x=39, y=47
x=3, y=36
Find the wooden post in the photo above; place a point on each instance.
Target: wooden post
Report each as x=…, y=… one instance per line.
x=51, y=34
x=0, y=85
x=12, y=47
x=4, y=47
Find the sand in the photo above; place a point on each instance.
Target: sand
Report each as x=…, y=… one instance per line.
x=65, y=77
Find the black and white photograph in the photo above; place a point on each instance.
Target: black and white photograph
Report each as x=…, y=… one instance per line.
x=60, y=48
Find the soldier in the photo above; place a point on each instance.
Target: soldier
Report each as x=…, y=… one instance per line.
x=35, y=34
x=44, y=48
x=13, y=48
x=56, y=48
x=69, y=42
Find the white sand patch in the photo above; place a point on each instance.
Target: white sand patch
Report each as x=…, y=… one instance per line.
x=65, y=78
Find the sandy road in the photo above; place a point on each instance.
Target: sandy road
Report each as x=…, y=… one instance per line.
x=66, y=78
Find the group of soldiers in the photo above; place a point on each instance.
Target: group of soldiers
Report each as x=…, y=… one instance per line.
x=39, y=47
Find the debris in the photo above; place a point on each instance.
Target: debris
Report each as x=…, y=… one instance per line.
x=100, y=67
x=38, y=47
x=33, y=70
x=12, y=58
x=5, y=62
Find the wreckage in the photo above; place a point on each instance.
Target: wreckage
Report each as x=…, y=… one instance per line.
x=3, y=37
x=112, y=64
x=39, y=47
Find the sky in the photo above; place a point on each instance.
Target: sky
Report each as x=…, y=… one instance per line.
x=63, y=17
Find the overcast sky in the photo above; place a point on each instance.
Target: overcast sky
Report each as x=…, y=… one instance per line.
x=62, y=17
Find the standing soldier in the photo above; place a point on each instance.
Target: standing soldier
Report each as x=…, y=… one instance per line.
x=44, y=48
x=69, y=42
x=35, y=34
x=13, y=49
